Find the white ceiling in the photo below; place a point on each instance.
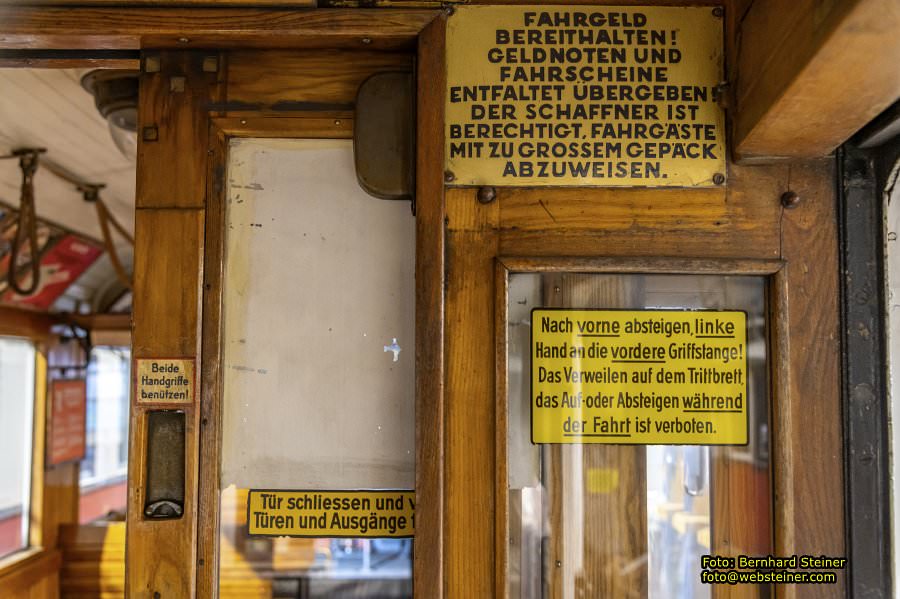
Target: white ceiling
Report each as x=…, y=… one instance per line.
x=48, y=108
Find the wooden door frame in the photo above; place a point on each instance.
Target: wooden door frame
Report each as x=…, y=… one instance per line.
x=506, y=266
x=743, y=229
x=181, y=225
x=335, y=125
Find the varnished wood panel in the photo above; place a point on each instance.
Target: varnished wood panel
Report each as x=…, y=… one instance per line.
x=741, y=514
x=99, y=28
x=208, y=509
x=279, y=81
x=15, y=322
x=808, y=458
x=35, y=577
x=338, y=125
x=809, y=74
x=168, y=253
x=743, y=230
x=173, y=104
x=167, y=282
x=740, y=222
x=428, y=563
x=469, y=476
x=166, y=3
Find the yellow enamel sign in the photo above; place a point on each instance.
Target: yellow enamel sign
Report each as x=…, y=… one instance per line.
x=164, y=380
x=370, y=514
x=585, y=95
x=652, y=377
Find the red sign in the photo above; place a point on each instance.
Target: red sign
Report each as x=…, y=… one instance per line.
x=60, y=266
x=68, y=404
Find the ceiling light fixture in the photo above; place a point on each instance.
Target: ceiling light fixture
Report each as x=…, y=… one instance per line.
x=115, y=94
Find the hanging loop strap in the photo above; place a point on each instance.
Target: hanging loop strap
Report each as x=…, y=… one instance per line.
x=26, y=227
x=92, y=194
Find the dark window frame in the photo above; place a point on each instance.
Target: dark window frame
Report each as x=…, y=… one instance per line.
x=863, y=168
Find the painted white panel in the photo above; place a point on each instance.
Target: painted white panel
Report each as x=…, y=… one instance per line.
x=319, y=278
x=48, y=108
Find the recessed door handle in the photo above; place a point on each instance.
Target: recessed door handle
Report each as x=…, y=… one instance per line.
x=163, y=509
x=164, y=484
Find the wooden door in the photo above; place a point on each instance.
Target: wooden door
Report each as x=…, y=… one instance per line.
x=192, y=103
x=564, y=233
x=739, y=230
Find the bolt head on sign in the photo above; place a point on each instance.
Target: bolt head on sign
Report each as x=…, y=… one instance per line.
x=584, y=96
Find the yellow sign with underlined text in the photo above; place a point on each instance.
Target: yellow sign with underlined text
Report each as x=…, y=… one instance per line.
x=640, y=377
x=365, y=514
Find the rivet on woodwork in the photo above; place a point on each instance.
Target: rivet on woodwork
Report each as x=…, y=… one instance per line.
x=176, y=84
x=151, y=64
x=449, y=177
x=367, y=40
x=718, y=12
x=790, y=199
x=486, y=195
x=183, y=40
x=150, y=133
x=210, y=64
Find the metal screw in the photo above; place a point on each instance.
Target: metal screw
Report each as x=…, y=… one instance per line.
x=151, y=64
x=718, y=12
x=449, y=11
x=243, y=121
x=486, y=195
x=558, y=564
x=556, y=289
x=183, y=40
x=210, y=64
x=449, y=177
x=367, y=40
x=718, y=178
x=790, y=199
x=337, y=122
x=150, y=133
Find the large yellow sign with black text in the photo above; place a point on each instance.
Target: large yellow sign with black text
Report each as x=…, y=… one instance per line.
x=585, y=95
x=368, y=514
x=650, y=377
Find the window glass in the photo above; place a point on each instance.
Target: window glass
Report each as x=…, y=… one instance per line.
x=318, y=364
x=17, y=359
x=105, y=464
x=596, y=520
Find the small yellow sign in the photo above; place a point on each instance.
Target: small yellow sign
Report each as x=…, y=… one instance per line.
x=642, y=377
x=585, y=95
x=164, y=380
x=369, y=514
